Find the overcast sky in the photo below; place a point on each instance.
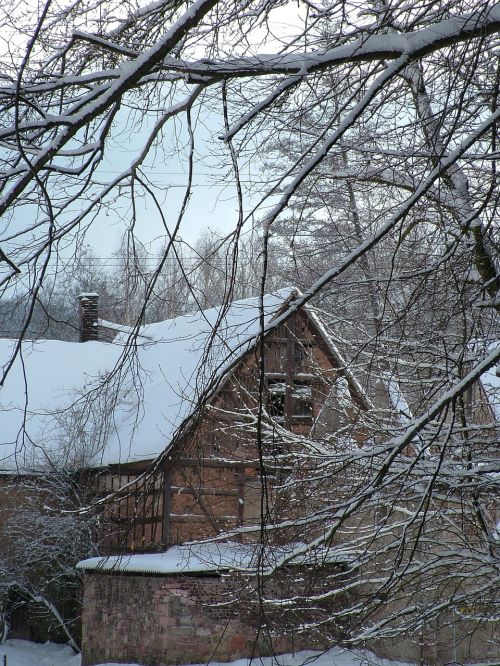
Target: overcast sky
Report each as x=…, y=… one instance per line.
x=213, y=204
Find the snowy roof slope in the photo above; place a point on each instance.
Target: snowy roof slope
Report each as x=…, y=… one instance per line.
x=53, y=406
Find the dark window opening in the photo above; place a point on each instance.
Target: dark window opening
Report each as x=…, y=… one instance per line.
x=302, y=400
x=276, y=398
x=301, y=403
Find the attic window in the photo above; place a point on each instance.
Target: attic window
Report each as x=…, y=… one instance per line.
x=301, y=393
x=276, y=398
x=302, y=400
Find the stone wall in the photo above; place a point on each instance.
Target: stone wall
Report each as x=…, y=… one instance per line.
x=88, y=315
x=160, y=620
x=444, y=641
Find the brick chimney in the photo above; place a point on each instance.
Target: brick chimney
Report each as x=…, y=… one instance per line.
x=88, y=311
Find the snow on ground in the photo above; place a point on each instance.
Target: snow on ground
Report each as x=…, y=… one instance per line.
x=24, y=653
x=334, y=657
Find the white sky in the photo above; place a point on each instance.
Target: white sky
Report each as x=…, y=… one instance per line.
x=212, y=206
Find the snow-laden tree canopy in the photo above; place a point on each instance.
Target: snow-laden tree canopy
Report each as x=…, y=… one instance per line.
x=358, y=141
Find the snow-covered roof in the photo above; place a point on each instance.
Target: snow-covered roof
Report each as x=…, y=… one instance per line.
x=53, y=405
x=215, y=557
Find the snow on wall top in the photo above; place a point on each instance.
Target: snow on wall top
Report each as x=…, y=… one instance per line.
x=214, y=557
x=195, y=558
x=98, y=403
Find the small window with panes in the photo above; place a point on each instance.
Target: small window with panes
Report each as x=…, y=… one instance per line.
x=301, y=399
x=302, y=403
x=276, y=395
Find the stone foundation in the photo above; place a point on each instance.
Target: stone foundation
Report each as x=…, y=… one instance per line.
x=162, y=620
x=442, y=643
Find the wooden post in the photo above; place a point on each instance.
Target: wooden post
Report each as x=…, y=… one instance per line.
x=239, y=473
x=167, y=486
x=290, y=343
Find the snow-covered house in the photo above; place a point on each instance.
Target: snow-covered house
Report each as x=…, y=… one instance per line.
x=167, y=412
x=159, y=423
x=172, y=427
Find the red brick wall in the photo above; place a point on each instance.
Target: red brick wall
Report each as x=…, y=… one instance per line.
x=159, y=620
x=208, y=497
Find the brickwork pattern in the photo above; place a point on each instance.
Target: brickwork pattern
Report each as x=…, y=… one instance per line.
x=88, y=307
x=164, y=620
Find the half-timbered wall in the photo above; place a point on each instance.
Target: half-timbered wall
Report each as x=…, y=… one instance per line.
x=212, y=483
